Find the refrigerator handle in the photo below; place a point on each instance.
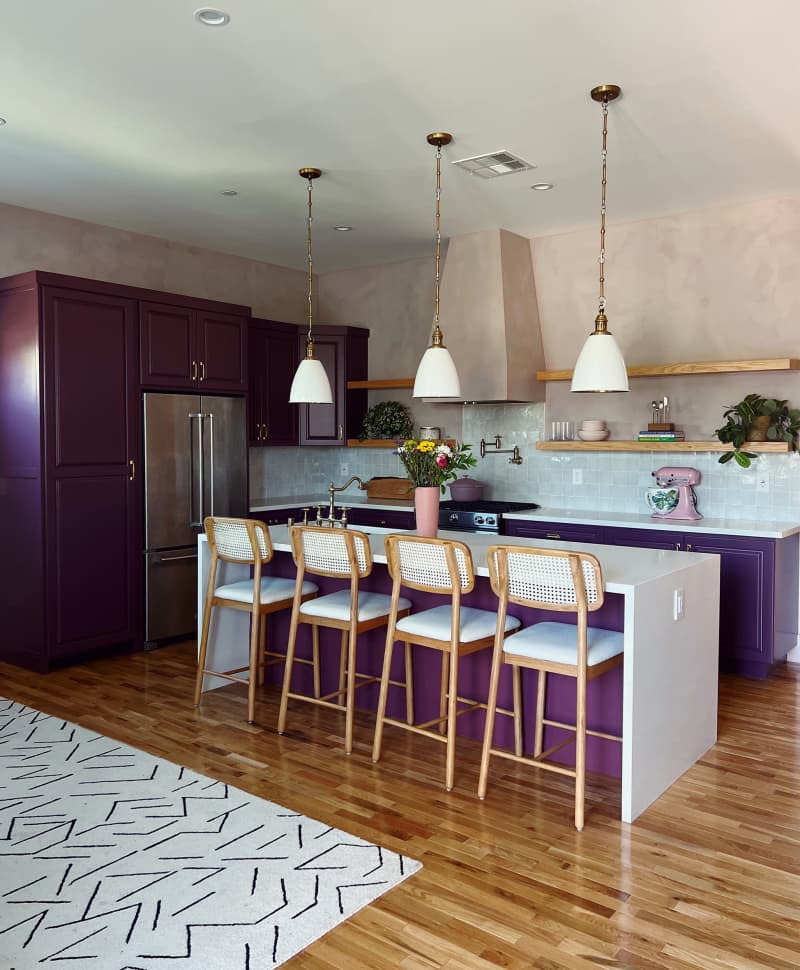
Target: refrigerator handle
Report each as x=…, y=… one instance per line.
x=198, y=465
x=210, y=417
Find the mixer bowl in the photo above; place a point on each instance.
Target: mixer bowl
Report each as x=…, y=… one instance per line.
x=662, y=501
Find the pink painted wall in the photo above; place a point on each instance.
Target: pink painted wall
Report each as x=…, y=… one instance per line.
x=37, y=240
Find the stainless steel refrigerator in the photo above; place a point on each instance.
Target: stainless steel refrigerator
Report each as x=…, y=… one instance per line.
x=195, y=464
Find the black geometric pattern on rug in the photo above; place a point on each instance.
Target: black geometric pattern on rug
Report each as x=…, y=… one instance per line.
x=112, y=859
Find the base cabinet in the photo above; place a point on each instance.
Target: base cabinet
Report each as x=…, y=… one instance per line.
x=384, y=518
x=758, y=584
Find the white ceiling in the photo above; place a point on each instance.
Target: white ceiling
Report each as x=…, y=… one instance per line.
x=133, y=115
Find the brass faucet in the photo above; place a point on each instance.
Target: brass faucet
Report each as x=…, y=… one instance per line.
x=333, y=489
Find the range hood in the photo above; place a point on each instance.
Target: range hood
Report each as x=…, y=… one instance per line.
x=490, y=317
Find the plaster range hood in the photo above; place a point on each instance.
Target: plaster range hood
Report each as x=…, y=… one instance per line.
x=490, y=317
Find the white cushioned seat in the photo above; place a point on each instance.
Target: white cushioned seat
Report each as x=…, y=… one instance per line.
x=435, y=623
x=273, y=590
x=558, y=643
x=336, y=606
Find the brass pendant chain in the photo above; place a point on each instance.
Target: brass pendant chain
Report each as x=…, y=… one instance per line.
x=309, y=340
x=437, y=333
x=602, y=260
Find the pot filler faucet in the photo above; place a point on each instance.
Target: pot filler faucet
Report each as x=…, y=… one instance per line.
x=333, y=489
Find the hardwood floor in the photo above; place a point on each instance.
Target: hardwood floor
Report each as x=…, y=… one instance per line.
x=708, y=877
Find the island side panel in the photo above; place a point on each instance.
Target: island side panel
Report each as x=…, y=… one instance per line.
x=670, y=682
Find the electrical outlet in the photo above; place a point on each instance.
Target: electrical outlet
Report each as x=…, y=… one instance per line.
x=344, y=469
x=762, y=485
x=577, y=476
x=677, y=604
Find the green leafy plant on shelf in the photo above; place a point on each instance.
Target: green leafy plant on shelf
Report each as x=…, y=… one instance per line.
x=780, y=423
x=387, y=419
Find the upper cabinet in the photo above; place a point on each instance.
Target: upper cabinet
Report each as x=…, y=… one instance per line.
x=343, y=353
x=272, y=363
x=192, y=347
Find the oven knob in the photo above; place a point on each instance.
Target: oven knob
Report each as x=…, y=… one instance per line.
x=478, y=520
x=454, y=516
x=491, y=520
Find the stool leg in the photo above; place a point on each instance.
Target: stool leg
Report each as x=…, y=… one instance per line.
x=342, y=667
x=315, y=657
x=541, y=684
x=253, y=672
x=409, y=684
x=443, y=691
x=516, y=683
x=384, y=691
x=491, y=708
x=351, y=688
x=287, y=671
x=452, y=707
x=201, y=660
x=262, y=647
x=580, y=750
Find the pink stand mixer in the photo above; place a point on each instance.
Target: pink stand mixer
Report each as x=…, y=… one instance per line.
x=682, y=479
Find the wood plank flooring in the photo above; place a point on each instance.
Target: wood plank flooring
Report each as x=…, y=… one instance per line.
x=708, y=877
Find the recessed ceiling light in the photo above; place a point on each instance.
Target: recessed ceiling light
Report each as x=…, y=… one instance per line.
x=343, y=228
x=542, y=186
x=229, y=192
x=2, y=122
x=211, y=17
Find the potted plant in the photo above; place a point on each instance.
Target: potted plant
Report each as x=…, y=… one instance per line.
x=387, y=419
x=429, y=466
x=757, y=418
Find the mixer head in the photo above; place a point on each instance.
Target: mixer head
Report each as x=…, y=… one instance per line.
x=676, y=475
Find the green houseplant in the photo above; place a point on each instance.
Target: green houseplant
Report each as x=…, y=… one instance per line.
x=387, y=419
x=742, y=421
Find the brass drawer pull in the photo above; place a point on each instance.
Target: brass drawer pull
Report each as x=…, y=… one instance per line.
x=553, y=535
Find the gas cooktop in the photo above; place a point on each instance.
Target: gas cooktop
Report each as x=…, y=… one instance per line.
x=478, y=516
x=486, y=506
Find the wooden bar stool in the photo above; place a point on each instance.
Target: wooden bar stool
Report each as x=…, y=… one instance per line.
x=550, y=579
x=246, y=542
x=342, y=554
x=445, y=567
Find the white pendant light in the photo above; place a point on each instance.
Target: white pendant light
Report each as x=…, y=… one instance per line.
x=310, y=384
x=436, y=374
x=600, y=366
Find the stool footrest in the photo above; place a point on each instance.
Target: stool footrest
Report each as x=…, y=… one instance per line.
x=571, y=727
x=537, y=762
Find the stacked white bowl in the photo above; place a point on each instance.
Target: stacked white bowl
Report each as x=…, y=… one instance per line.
x=593, y=429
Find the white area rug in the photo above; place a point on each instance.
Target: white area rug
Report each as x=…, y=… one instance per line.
x=111, y=859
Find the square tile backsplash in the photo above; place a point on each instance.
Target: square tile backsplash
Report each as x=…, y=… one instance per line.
x=609, y=482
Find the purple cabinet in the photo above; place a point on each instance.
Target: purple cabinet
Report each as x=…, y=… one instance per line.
x=386, y=518
x=272, y=363
x=193, y=346
x=281, y=516
x=69, y=462
x=343, y=353
x=565, y=532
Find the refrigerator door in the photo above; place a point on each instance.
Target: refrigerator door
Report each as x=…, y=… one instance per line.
x=224, y=456
x=172, y=482
x=171, y=588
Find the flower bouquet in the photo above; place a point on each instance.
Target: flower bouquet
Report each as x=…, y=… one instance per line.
x=429, y=465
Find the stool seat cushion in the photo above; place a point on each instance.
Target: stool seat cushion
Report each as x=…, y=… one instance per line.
x=435, y=624
x=336, y=606
x=273, y=590
x=558, y=643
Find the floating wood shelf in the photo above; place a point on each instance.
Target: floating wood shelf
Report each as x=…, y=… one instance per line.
x=774, y=447
x=381, y=385
x=372, y=443
x=701, y=367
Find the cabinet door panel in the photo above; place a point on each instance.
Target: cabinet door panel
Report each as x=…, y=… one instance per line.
x=223, y=351
x=644, y=538
x=93, y=581
x=169, y=349
x=257, y=386
x=88, y=340
x=386, y=518
x=323, y=424
x=281, y=417
x=553, y=530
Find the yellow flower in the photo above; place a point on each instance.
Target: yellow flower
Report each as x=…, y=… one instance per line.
x=426, y=446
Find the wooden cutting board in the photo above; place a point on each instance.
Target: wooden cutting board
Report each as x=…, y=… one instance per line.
x=390, y=488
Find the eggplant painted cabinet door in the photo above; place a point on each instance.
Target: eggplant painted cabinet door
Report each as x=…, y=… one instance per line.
x=558, y=531
x=343, y=353
x=272, y=363
x=92, y=495
x=191, y=348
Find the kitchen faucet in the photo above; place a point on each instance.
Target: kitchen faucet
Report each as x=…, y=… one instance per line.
x=333, y=489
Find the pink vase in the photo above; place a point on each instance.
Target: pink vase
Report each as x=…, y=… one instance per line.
x=426, y=506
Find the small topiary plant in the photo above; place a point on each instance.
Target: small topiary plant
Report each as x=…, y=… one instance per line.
x=387, y=419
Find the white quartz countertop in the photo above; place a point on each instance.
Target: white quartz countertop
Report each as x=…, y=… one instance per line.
x=624, y=568
x=757, y=528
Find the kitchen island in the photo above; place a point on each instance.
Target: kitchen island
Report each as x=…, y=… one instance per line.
x=663, y=702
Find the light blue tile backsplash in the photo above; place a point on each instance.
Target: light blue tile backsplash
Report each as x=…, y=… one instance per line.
x=612, y=482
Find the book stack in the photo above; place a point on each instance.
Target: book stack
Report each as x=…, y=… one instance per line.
x=661, y=436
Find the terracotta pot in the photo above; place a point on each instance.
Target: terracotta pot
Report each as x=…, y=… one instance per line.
x=758, y=429
x=426, y=507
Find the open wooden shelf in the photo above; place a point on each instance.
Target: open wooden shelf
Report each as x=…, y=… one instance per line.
x=380, y=385
x=774, y=447
x=372, y=443
x=701, y=367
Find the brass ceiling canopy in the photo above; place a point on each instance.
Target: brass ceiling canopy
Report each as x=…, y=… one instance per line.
x=606, y=92
x=439, y=138
x=309, y=173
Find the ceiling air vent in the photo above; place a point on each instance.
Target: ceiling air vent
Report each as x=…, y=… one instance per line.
x=494, y=164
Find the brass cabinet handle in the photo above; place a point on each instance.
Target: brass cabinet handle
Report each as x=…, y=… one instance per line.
x=266, y=432
x=194, y=370
x=678, y=546
x=552, y=535
x=132, y=466
x=688, y=547
x=202, y=370
x=341, y=432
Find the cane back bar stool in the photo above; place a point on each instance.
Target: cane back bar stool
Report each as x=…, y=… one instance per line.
x=437, y=566
x=247, y=543
x=549, y=579
x=342, y=554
